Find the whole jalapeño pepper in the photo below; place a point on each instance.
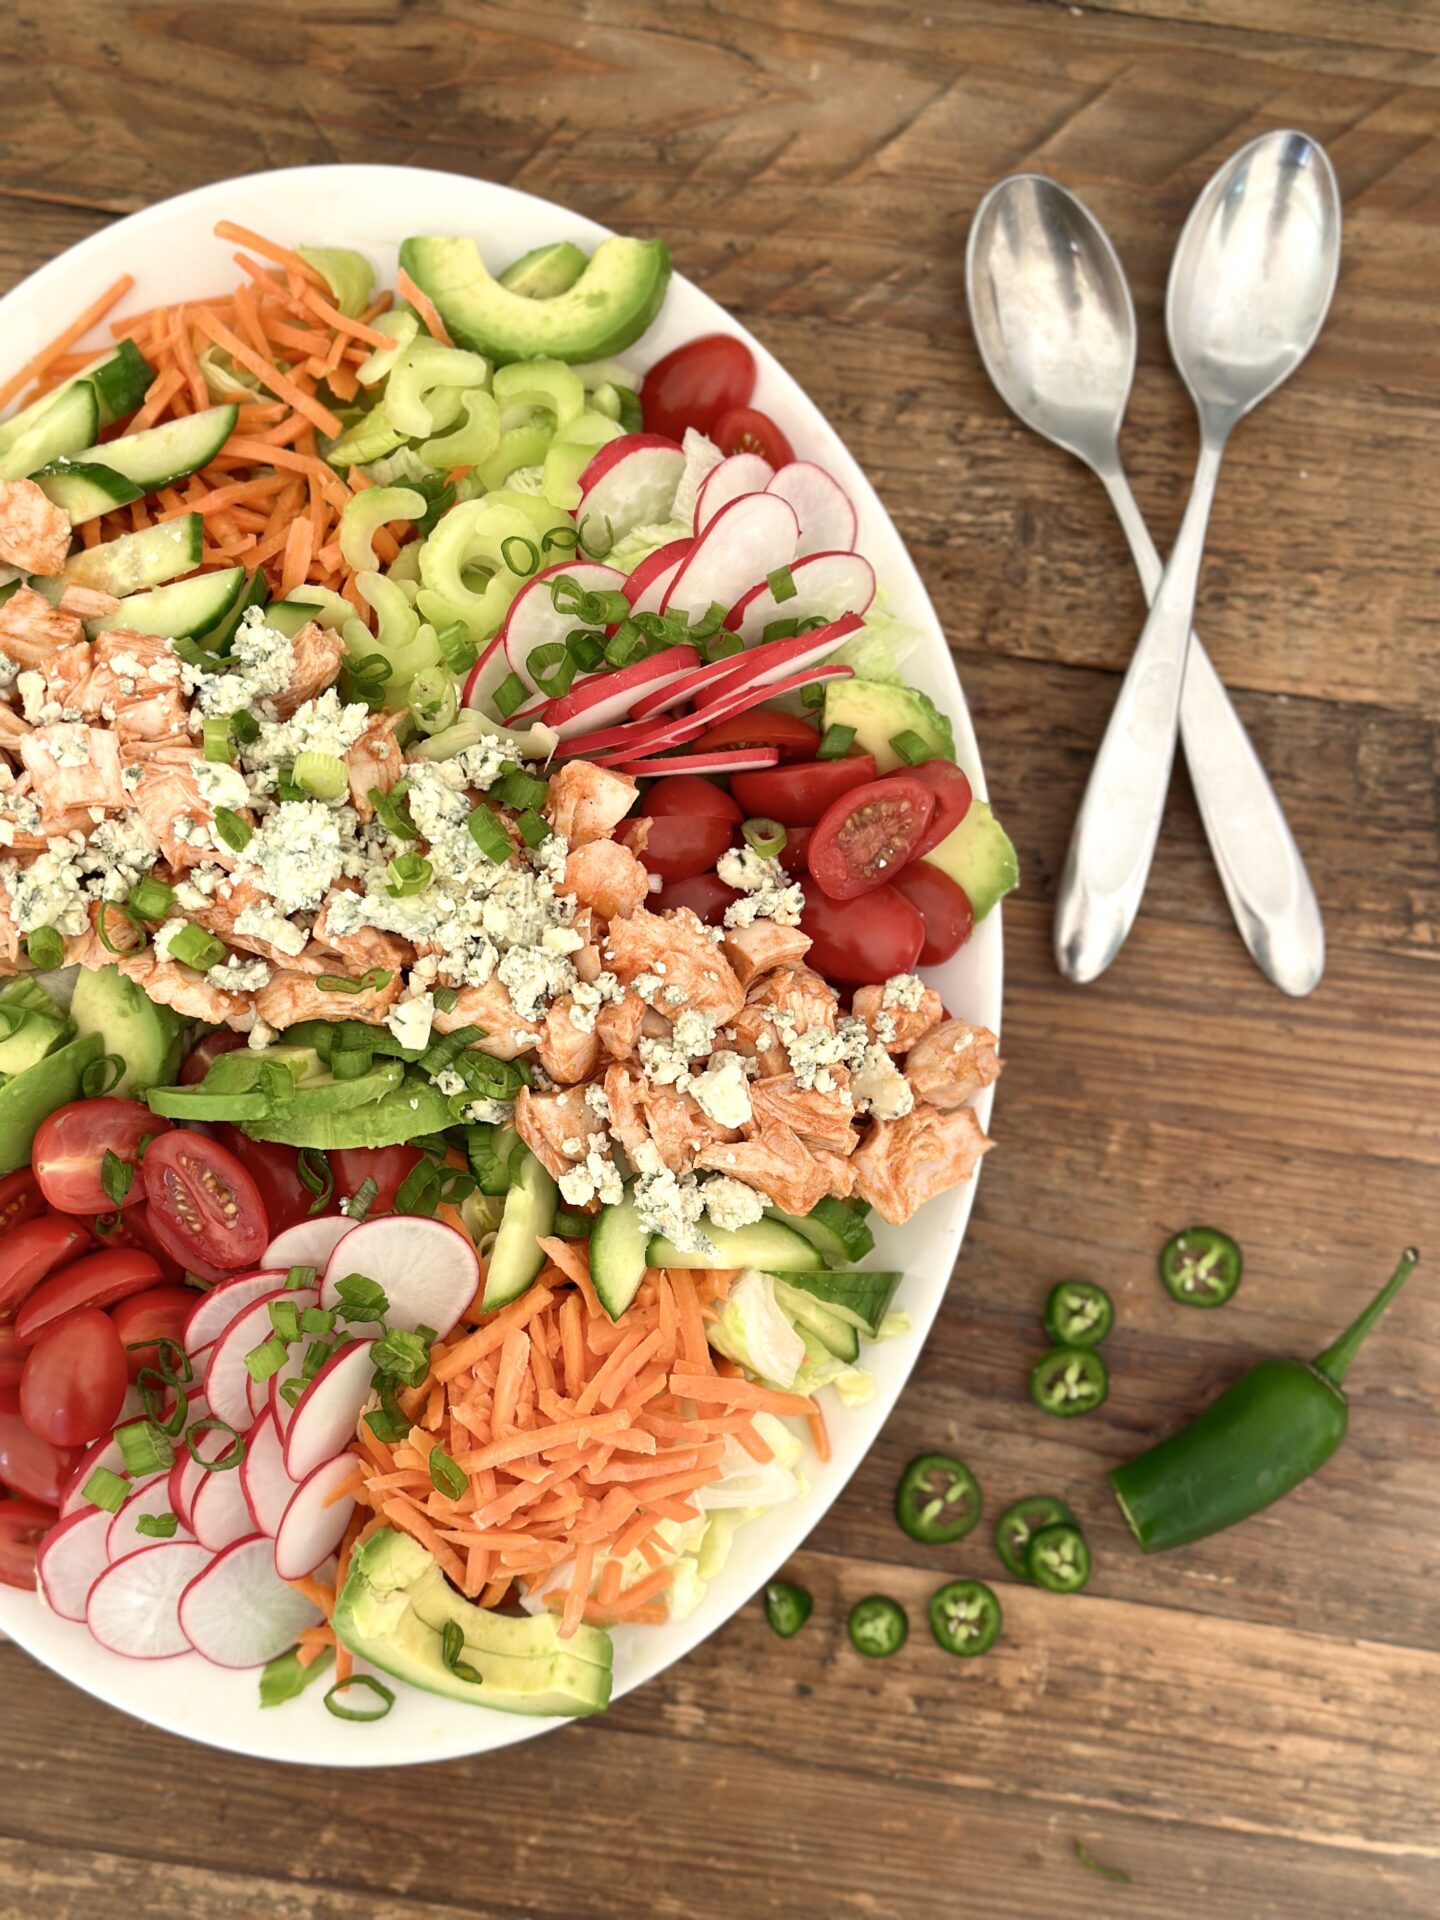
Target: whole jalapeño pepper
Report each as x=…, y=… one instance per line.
x=1271, y=1429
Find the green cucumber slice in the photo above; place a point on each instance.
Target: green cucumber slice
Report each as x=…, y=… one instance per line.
x=118, y=378
x=768, y=1244
x=84, y=489
x=138, y=560
x=180, y=610
x=617, y=1256
x=836, y=1227
x=835, y=1333
x=529, y=1214
x=71, y=421
x=168, y=452
x=254, y=595
x=861, y=1298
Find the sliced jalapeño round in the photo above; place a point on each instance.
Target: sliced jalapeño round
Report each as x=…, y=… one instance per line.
x=1200, y=1267
x=787, y=1607
x=1068, y=1381
x=878, y=1626
x=1020, y=1522
x=938, y=1499
x=965, y=1617
x=1078, y=1314
x=1058, y=1559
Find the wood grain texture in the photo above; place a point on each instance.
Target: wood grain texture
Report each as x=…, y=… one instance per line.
x=1249, y=1727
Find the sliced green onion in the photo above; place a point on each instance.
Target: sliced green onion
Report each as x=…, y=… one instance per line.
x=488, y=833
x=267, y=1358
x=406, y=874
x=446, y=999
x=315, y=1176
x=44, y=948
x=157, y=1526
x=782, y=585
x=835, y=742
x=457, y=649
x=560, y=540
x=219, y=737
x=106, y=1489
x=566, y=593
x=813, y=695
x=442, y=1052
x=245, y=727
x=534, y=828
x=511, y=693
x=586, y=648
x=153, y=1386
x=102, y=927
x=361, y=1298
x=192, y=946
x=151, y=899
x=223, y=1462
x=583, y=543
x=348, y=1063
x=386, y=1421
x=321, y=775
x=117, y=1176
x=390, y=811
x=334, y=1704
x=812, y=624
x=603, y=609
x=316, y=1354
x=405, y=1355
x=520, y=555
x=446, y=1476
x=232, y=829
x=320, y=1320
x=573, y=1226
x=363, y=1198
x=778, y=630
x=624, y=644
x=723, y=646
x=371, y=981
x=452, y=1652
x=144, y=1447
x=551, y=667
x=767, y=837
x=102, y=1076
x=711, y=621
x=519, y=789
x=174, y=1372
x=911, y=748
x=291, y=1390
x=285, y=1319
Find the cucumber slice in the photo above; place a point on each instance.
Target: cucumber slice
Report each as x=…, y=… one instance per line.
x=254, y=595
x=617, y=1256
x=118, y=378
x=84, y=489
x=768, y=1244
x=861, y=1298
x=71, y=421
x=168, y=452
x=836, y=1227
x=138, y=560
x=288, y=616
x=834, y=1332
x=529, y=1213
x=180, y=610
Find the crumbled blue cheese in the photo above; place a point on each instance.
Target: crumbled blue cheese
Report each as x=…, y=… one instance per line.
x=813, y=1053
x=722, y=1090
x=298, y=851
x=667, y=1061
x=769, y=892
x=69, y=746
x=588, y=996
x=533, y=976
x=166, y=934
x=323, y=725
x=672, y=1206
x=482, y=765
x=47, y=892
x=903, y=990
x=239, y=974
x=31, y=688
x=220, y=784
x=9, y=672
x=261, y=664
x=260, y=921
x=731, y=1204
x=596, y=1178
x=410, y=1021
x=880, y=1088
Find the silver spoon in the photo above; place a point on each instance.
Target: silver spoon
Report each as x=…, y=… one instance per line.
x=1056, y=329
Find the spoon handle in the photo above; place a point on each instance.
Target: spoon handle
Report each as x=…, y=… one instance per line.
x=1119, y=819
x=1260, y=866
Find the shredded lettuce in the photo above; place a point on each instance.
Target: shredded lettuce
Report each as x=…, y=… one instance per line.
x=821, y=1369
x=754, y=1330
x=701, y=454
x=641, y=542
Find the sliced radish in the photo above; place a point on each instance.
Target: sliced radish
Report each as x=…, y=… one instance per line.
x=102, y=1453
x=239, y=1612
x=186, y=1477
x=214, y=1311
x=631, y=483
x=227, y=1378
x=665, y=698
x=71, y=1559
x=309, y=1243
x=134, y=1606
x=218, y=1513
x=740, y=473
x=429, y=1272
x=267, y=1487
x=602, y=698
x=735, y=760
x=827, y=583
x=747, y=539
x=279, y=1408
x=624, y=744
x=151, y=1498
x=775, y=660
x=533, y=620
x=645, y=588
x=485, y=676
x=822, y=506
x=328, y=1411
x=316, y=1519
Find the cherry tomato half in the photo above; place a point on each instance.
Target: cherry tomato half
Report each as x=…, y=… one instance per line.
x=158, y=1312
x=747, y=430
x=70, y=1148
x=98, y=1281
x=12, y=1356
x=30, y=1466
x=23, y=1525
x=793, y=854
x=861, y=948
x=20, y=1196
x=796, y=738
x=694, y=384
x=706, y=895
x=953, y=795
x=798, y=796
x=275, y=1171
x=386, y=1166
x=942, y=904
x=203, y=1204
x=687, y=793
x=29, y=1252
x=203, y=1055
x=74, y=1382
x=865, y=837
x=131, y=1229
x=678, y=846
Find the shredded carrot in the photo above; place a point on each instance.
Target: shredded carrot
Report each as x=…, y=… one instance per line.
x=77, y=329
x=316, y=1592
x=423, y=305
x=267, y=372
x=269, y=250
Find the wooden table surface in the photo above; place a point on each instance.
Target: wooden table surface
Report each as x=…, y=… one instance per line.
x=1251, y=1727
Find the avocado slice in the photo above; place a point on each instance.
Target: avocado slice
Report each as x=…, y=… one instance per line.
x=129, y=1024
x=393, y=1610
x=32, y=1096
x=605, y=310
x=546, y=271
x=879, y=712
x=34, y=1025
x=979, y=857
x=408, y=1110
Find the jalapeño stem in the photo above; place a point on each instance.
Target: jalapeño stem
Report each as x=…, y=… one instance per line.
x=1335, y=1361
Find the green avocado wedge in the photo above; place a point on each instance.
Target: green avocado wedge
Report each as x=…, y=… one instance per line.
x=32, y=1096
x=142, y=1033
x=407, y=1111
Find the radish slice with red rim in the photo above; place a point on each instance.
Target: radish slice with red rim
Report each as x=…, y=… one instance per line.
x=739, y=473
x=328, y=1412
x=104, y=1452
x=314, y=1523
x=134, y=1606
x=535, y=621
x=827, y=518
x=738, y=760
x=267, y=1487
x=239, y=1612
x=604, y=698
x=227, y=1378
x=748, y=538
x=630, y=483
x=624, y=744
x=645, y=588
x=218, y=1512
x=429, y=1272
x=762, y=666
x=150, y=1499
x=484, y=678
x=214, y=1311
x=71, y=1558
x=187, y=1475
x=309, y=1243
x=826, y=584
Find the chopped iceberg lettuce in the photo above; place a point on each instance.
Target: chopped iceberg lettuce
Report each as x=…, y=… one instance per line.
x=642, y=541
x=755, y=1331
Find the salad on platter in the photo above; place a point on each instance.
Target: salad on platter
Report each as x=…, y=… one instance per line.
x=468, y=854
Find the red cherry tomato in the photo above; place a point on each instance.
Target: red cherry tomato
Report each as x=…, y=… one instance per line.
x=861, y=947
x=30, y=1466
x=953, y=795
x=23, y=1525
x=29, y=1252
x=747, y=430
x=706, y=894
x=942, y=904
x=694, y=384
x=793, y=854
x=678, y=846
x=99, y=1281
x=12, y=1356
x=203, y=1204
x=158, y=1312
x=70, y=1148
x=206, y=1052
x=796, y=738
x=864, y=838
x=74, y=1382
x=386, y=1166
x=687, y=793
x=276, y=1171
x=131, y=1229
x=20, y=1196
x=797, y=796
